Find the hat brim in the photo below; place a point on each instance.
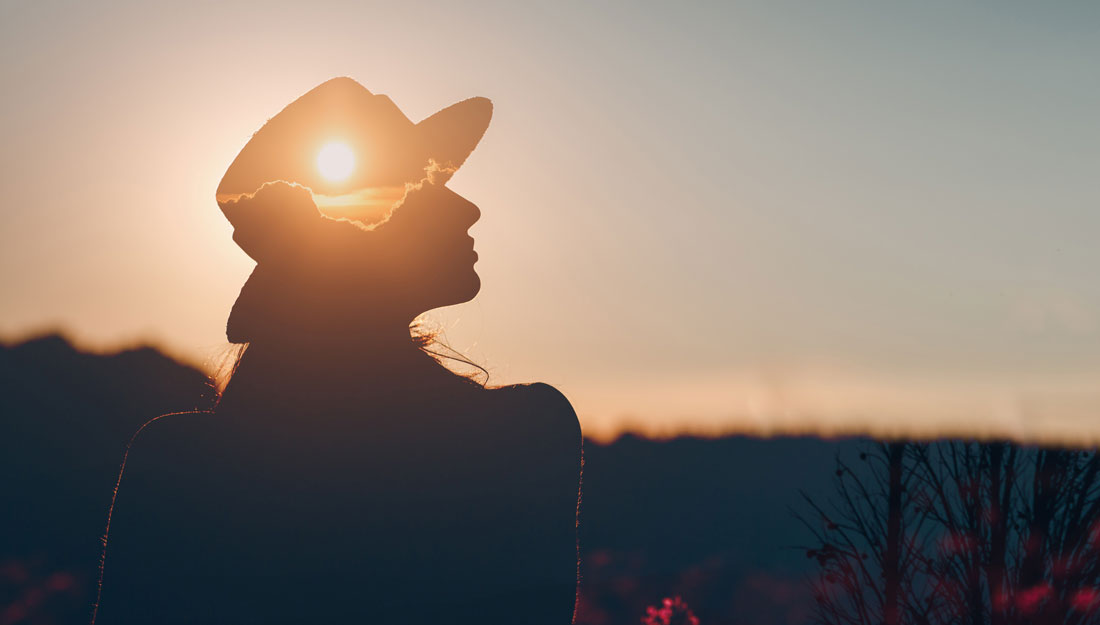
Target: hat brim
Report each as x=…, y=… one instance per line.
x=451, y=134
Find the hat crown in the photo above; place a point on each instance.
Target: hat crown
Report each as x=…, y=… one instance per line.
x=286, y=147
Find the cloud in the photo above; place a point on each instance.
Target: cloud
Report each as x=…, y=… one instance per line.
x=280, y=221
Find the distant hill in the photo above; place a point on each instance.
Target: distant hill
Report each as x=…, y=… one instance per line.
x=65, y=417
x=707, y=519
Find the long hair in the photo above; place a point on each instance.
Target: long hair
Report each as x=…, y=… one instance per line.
x=428, y=340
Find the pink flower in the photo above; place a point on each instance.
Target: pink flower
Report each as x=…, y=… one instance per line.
x=671, y=612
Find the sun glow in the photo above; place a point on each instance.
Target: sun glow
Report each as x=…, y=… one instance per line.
x=335, y=161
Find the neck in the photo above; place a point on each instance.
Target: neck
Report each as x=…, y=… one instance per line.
x=382, y=363
x=343, y=348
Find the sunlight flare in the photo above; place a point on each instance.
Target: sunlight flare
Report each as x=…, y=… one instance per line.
x=335, y=161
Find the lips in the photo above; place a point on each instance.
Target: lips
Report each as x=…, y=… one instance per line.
x=463, y=255
x=473, y=253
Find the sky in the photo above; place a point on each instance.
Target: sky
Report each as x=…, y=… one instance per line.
x=696, y=217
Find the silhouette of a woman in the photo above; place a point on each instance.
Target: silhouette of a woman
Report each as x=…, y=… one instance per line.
x=346, y=475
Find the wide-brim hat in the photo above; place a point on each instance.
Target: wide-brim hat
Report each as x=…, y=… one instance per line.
x=389, y=150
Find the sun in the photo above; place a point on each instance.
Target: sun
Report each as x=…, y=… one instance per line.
x=335, y=161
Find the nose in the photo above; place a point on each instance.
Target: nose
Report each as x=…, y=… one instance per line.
x=467, y=212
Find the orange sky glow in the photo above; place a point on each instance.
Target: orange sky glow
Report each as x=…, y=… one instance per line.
x=804, y=221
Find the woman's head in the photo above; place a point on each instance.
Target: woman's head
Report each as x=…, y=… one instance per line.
x=319, y=274
x=322, y=275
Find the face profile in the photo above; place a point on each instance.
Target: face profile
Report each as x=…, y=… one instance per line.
x=428, y=243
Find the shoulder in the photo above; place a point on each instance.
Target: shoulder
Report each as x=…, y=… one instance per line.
x=165, y=456
x=164, y=437
x=173, y=426
x=534, y=391
x=547, y=406
x=537, y=395
x=151, y=523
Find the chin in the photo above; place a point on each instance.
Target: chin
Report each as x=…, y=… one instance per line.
x=456, y=290
x=470, y=287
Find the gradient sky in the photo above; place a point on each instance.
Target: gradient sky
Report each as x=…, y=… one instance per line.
x=826, y=216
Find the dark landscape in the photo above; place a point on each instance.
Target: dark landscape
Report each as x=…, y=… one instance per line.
x=706, y=519
x=740, y=529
